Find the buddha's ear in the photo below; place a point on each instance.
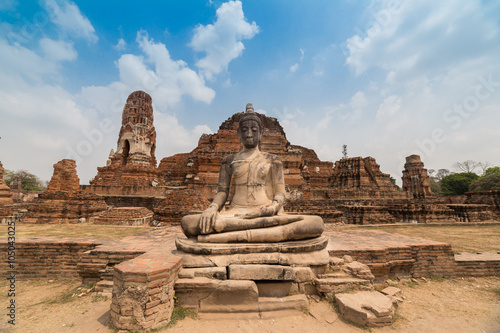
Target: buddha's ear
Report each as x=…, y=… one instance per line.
x=238, y=131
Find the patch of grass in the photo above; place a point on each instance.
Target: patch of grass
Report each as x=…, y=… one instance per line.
x=179, y=313
x=65, y=297
x=496, y=291
x=411, y=284
x=398, y=317
x=436, y=278
x=74, y=230
x=98, y=298
x=462, y=238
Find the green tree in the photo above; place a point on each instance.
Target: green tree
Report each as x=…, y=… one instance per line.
x=29, y=181
x=457, y=183
x=491, y=170
x=393, y=181
x=489, y=181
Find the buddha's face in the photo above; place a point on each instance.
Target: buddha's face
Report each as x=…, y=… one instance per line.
x=250, y=133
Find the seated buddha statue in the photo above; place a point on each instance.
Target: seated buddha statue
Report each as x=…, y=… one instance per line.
x=255, y=213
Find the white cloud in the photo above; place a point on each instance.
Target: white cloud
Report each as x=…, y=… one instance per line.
x=433, y=56
x=67, y=15
x=120, y=45
x=58, y=50
x=389, y=107
x=294, y=68
x=221, y=41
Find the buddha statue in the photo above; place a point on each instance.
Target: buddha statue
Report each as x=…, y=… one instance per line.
x=255, y=213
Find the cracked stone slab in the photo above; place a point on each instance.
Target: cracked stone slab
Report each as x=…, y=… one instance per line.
x=369, y=308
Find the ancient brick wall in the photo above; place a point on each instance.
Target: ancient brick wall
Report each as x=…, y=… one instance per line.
x=64, y=178
x=62, y=208
x=46, y=258
x=179, y=203
x=63, y=202
x=125, y=216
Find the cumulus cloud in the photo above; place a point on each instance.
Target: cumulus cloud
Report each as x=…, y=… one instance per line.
x=154, y=71
x=58, y=50
x=415, y=38
x=68, y=17
x=221, y=41
x=432, y=56
x=120, y=45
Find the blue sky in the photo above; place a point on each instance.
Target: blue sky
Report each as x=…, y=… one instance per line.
x=387, y=78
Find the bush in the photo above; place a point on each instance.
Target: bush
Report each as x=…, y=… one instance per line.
x=457, y=183
x=490, y=181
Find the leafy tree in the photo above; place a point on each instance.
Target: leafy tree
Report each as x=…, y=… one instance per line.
x=29, y=181
x=489, y=181
x=491, y=170
x=393, y=181
x=457, y=183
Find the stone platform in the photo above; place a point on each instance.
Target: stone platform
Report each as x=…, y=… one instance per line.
x=151, y=260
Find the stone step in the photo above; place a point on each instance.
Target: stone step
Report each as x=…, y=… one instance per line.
x=104, y=286
x=337, y=285
x=336, y=275
x=267, y=308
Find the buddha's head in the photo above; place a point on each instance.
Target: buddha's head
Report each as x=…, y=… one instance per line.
x=250, y=128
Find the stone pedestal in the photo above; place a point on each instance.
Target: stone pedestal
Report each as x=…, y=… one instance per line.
x=258, y=274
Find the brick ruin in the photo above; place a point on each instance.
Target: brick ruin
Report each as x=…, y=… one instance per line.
x=141, y=269
x=416, y=181
x=353, y=190
x=63, y=202
x=5, y=194
x=134, y=162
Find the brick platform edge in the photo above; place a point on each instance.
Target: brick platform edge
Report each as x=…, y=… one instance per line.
x=143, y=292
x=422, y=260
x=45, y=258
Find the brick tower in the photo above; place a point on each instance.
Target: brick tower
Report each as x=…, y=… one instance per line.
x=134, y=162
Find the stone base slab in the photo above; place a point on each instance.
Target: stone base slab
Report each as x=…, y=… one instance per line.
x=193, y=246
x=315, y=258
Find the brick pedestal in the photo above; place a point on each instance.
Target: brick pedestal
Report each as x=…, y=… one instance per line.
x=143, y=292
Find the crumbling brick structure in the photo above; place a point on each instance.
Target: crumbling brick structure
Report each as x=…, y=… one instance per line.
x=416, y=181
x=5, y=194
x=63, y=202
x=134, y=162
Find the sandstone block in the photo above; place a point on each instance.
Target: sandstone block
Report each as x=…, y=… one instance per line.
x=261, y=272
x=366, y=308
x=391, y=291
x=273, y=288
x=283, y=303
x=232, y=296
x=303, y=274
x=360, y=270
x=208, y=272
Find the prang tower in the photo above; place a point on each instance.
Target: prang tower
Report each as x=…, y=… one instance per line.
x=134, y=162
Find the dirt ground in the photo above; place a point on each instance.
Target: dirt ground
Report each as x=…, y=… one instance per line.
x=435, y=305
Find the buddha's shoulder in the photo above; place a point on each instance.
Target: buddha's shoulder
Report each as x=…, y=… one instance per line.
x=272, y=157
x=228, y=159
